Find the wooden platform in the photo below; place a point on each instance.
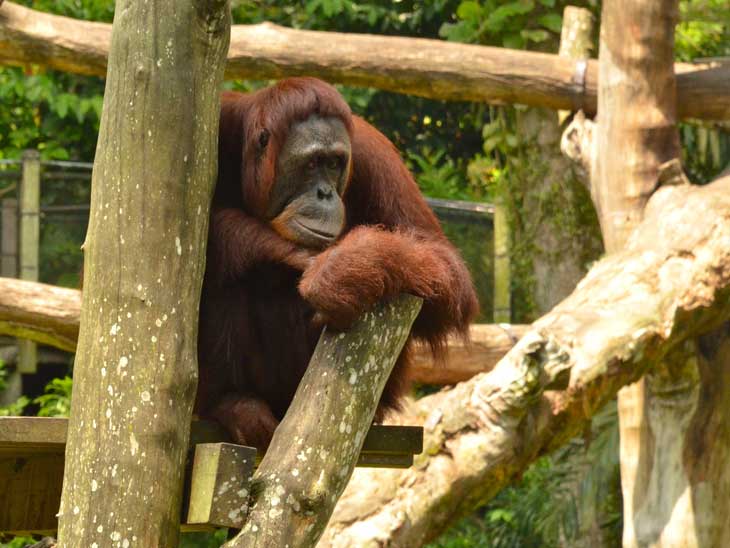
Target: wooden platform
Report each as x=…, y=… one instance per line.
x=31, y=471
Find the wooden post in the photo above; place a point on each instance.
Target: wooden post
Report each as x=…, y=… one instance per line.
x=135, y=372
x=576, y=42
x=502, y=282
x=30, y=198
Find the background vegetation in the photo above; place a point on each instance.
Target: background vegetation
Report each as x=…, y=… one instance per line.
x=457, y=151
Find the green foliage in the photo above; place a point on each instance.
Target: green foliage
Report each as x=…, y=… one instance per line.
x=56, y=113
x=704, y=29
x=516, y=24
x=56, y=402
x=18, y=542
x=203, y=540
x=15, y=408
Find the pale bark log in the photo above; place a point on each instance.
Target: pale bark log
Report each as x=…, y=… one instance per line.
x=637, y=104
x=50, y=315
x=40, y=312
x=671, y=283
x=663, y=504
x=428, y=68
x=486, y=346
x=135, y=369
x=315, y=448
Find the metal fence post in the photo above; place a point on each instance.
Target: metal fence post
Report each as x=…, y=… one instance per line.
x=9, y=241
x=502, y=292
x=29, y=243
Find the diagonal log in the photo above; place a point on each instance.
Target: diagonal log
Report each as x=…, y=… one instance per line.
x=424, y=67
x=670, y=283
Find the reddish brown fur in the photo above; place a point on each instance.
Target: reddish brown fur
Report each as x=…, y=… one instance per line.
x=264, y=299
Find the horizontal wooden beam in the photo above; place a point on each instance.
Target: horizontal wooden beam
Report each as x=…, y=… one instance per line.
x=50, y=315
x=424, y=67
x=31, y=471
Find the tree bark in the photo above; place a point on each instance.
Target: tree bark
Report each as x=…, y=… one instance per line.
x=315, y=448
x=428, y=68
x=671, y=283
x=135, y=370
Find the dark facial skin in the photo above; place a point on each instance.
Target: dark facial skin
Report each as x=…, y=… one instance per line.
x=305, y=205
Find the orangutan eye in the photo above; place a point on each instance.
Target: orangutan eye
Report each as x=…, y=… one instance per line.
x=334, y=163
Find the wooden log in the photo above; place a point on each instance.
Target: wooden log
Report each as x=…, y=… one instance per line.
x=428, y=68
x=43, y=313
x=315, y=448
x=50, y=315
x=31, y=471
x=488, y=344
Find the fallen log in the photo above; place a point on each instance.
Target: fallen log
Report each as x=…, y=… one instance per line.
x=425, y=67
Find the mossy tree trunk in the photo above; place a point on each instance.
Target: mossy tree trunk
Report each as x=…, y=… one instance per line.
x=135, y=371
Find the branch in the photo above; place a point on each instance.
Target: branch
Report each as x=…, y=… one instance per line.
x=424, y=67
x=671, y=283
x=50, y=315
x=40, y=312
x=315, y=448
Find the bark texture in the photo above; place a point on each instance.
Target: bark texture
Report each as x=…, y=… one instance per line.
x=135, y=371
x=315, y=448
x=669, y=284
x=428, y=68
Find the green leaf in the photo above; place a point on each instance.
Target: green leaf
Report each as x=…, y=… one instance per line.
x=548, y=3
x=469, y=10
x=535, y=35
x=513, y=41
x=551, y=21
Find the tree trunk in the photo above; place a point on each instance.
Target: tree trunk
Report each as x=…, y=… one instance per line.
x=135, y=371
x=428, y=68
x=315, y=448
x=671, y=283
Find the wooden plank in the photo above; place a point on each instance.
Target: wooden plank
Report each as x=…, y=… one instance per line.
x=220, y=484
x=32, y=435
x=30, y=492
x=31, y=471
x=393, y=439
